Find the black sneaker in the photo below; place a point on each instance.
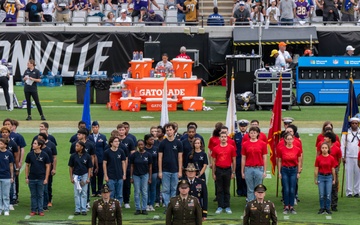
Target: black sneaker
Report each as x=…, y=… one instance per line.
x=144, y=212
x=321, y=211
x=328, y=211
x=43, y=117
x=77, y=213
x=356, y=196
x=349, y=196
x=137, y=212
x=334, y=209
x=83, y=213
x=28, y=118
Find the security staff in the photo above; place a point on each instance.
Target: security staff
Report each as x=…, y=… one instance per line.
x=184, y=209
x=106, y=211
x=198, y=188
x=260, y=211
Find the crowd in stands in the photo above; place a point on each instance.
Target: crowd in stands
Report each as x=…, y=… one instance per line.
x=174, y=12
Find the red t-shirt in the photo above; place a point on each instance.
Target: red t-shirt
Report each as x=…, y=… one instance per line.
x=325, y=163
x=215, y=141
x=289, y=156
x=223, y=155
x=297, y=142
x=183, y=56
x=254, y=152
x=320, y=139
x=335, y=151
x=262, y=137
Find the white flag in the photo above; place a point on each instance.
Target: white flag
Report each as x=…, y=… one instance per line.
x=164, y=118
x=231, y=117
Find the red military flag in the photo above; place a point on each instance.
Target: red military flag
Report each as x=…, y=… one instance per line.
x=275, y=126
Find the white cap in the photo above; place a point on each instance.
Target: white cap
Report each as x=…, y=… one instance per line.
x=354, y=119
x=350, y=48
x=287, y=119
x=182, y=49
x=123, y=10
x=243, y=122
x=271, y=1
x=241, y=3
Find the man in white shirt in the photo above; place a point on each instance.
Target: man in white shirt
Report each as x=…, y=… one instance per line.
x=285, y=54
x=164, y=63
x=4, y=83
x=123, y=20
x=280, y=60
x=350, y=149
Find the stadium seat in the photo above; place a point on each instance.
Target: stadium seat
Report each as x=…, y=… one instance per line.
x=79, y=13
x=93, y=21
x=78, y=21
x=171, y=13
x=20, y=21
x=92, y=12
x=21, y=14
x=171, y=20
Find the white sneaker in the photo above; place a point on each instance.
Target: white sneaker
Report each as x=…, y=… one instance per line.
x=147, y=208
x=163, y=205
x=151, y=208
x=157, y=205
x=295, y=201
x=127, y=206
x=6, y=213
x=88, y=205
x=11, y=207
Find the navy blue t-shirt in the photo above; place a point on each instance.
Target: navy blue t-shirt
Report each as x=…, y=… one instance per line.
x=89, y=148
x=141, y=162
x=114, y=163
x=187, y=148
x=170, y=150
x=37, y=165
x=130, y=146
x=154, y=155
x=80, y=163
x=199, y=159
x=73, y=138
x=5, y=159
x=133, y=138
x=181, y=3
x=121, y=147
x=12, y=147
x=16, y=138
x=186, y=136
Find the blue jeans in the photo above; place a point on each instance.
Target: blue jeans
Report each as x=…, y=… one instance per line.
x=36, y=195
x=180, y=18
x=117, y=189
x=5, y=194
x=81, y=195
x=253, y=177
x=46, y=196
x=325, y=185
x=286, y=22
x=141, y=186
x=288, y=179
x=152, y=189
x=169, y=185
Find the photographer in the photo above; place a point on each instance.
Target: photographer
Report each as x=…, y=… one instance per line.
x=241, y=16
x=62, y=10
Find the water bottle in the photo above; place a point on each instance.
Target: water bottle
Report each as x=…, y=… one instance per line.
x=10, y=68
x=141, y=55
x=134, y=55
x=252, y=52
x=58, y=79
x=152, y=73
x=51, y=78
x=45, y=81
x=150, y=38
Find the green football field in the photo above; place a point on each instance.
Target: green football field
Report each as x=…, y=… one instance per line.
x=62, y=113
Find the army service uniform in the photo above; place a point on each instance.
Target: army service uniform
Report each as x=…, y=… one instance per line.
x=184, y=212
x=106, y=213
x=260, y=213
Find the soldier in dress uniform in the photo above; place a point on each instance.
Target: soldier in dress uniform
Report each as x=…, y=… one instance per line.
x=106, y=211
x=184, y=209
x=198, y=188
x=260, y=211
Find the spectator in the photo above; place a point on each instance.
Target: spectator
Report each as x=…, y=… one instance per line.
x=130, y=6
x=191, y=10
x=308, y=52
x=260, y=6
x=280, y=61
x=49, y=9
x=237, y=5
x=349, y=50
x=33, y=12
x=11, y=8
x=123, y=19
x=110, y=21
x=348, y=9
x=273, y=13
x=302, y=10
x=330, y=13
x=143, y=14
x=180, y=12
x=257, y=15
x=138, y=5
x=241, y=16
x=164, y=63
x=183, y=53
x=215, y=19
x=113, y=4
x=170, y=5
x=154, y=19
x=80, y=5
x=62, y=8
x=94, y=5
x=287, y=12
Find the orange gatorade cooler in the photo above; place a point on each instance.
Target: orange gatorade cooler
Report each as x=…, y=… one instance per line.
x=192, y=103
x=182, y=67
